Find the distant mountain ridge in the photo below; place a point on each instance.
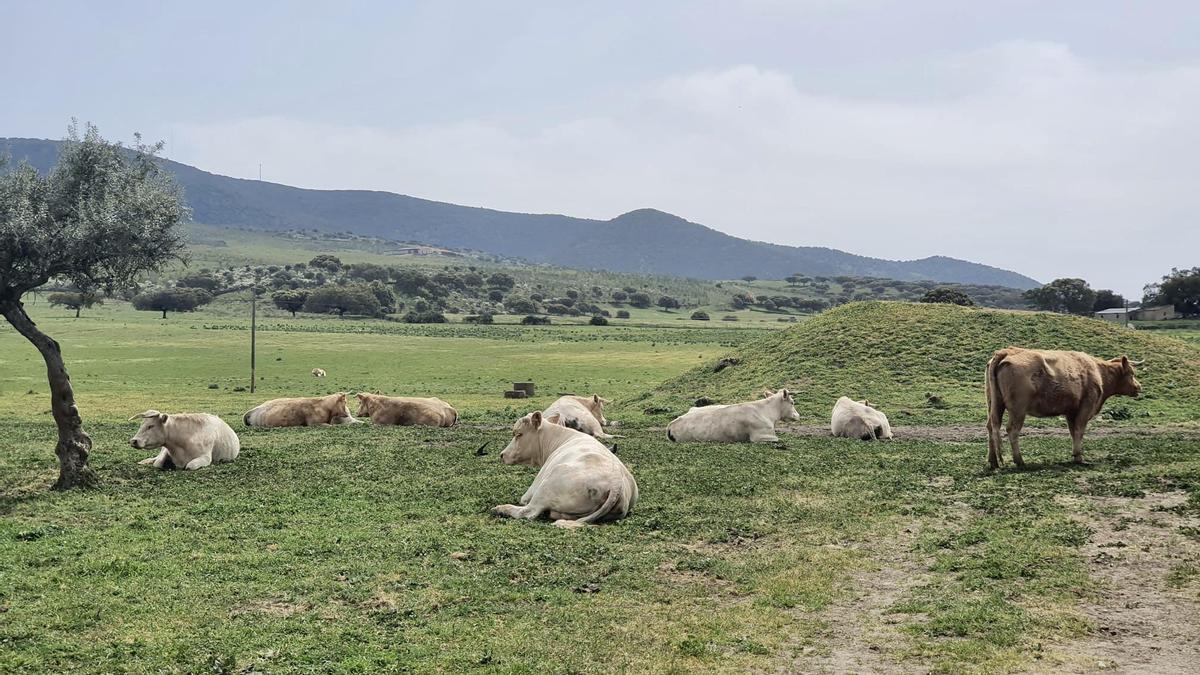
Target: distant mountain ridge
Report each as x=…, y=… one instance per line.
x=643, y=241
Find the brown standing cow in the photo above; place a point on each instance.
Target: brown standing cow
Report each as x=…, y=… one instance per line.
x=1048, y=384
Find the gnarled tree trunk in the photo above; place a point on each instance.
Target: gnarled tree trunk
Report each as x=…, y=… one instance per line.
x=73, y=443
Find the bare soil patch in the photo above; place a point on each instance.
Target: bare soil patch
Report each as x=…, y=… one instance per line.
x=862, y=634
x=1147, y=617
x=972, y=433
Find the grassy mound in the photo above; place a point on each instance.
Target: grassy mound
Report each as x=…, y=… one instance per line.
x=923, y=364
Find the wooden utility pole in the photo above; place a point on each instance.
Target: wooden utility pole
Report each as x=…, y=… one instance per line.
x=253, y=326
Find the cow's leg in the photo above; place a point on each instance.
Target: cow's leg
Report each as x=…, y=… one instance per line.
x=995, y=449
x=199, y=463
x=1015, y=422
x=1077, y=424
x=763, y=434
x=156, y=460
x=531, y=512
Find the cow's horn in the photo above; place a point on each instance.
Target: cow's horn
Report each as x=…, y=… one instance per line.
x=1136, y=363
x=144, y=415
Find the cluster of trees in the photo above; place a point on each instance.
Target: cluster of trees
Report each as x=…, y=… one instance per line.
x=948, y=296
x=775, y=303
x=1180, y=288
x=1072, y=296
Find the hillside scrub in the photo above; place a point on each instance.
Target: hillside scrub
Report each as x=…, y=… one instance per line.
x=903, y=356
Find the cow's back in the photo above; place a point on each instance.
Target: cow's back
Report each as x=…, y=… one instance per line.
x=285, y=412
x=1043, y=383
x=204, y=431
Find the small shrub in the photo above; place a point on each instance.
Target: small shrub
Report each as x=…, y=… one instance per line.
x=429, y=316
x=622, y=314
x=699, y=316
x=598, y=321
x=533, y=320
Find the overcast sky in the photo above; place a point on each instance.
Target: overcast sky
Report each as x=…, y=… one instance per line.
x=1051, y=138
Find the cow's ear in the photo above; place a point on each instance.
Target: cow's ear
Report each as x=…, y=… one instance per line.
x=553, y=419
x=341, y=396
x=1125, y=364
x=361, y=396
x=536, y=419
x=786, y=393
x=162, y=418
x=595, y=398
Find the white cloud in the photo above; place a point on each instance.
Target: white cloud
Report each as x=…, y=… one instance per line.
x=1022, y=155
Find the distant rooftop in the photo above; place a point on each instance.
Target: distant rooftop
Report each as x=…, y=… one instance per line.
x=1116, y=310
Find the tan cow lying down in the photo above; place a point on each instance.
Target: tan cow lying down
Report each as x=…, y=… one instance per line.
x=300, y=412
x=752, y=422
x=855, y=419
x=188, y=440
x=580, y=481
x=582, y=413
x=1049, y=384
x=406, y=411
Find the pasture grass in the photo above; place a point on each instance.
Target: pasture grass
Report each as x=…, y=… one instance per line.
x=364, y=548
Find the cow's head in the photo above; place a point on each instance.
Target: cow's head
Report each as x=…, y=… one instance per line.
x=783, y=404
x=526, y=446
x=337, y=407
x=366, y=404
x=596, y=405
x=1126, y=383
x=153, y=433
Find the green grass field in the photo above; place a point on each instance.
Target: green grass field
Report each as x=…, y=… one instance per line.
x=363, y=549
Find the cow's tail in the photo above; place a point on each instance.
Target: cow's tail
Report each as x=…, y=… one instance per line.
x=614, y=498
x=995, y=406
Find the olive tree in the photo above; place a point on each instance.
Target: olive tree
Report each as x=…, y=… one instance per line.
x=100, y=218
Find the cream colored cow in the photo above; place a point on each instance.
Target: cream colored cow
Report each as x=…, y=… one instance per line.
x=300, y=412
x=857, y=419
x=579, y=482
x=752, y=422
x=582, y=413
x=189, y=440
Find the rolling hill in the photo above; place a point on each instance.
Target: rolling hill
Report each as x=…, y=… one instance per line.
x=643, y=241
x=896, y=354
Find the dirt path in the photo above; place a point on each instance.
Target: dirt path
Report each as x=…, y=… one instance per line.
x=1144, y=624
x=862, y=634
x=972, y=433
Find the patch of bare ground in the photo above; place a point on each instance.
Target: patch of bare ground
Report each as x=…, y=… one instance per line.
x=1144, y=622
x=971, y=433
x=862, y=633
x=273, y=607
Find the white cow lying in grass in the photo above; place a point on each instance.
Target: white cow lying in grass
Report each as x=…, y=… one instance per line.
x=752, y=422
x=855, y=419
x=580, y=481
x=582, y=413
x=190, y=440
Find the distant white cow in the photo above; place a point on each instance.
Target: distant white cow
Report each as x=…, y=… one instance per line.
x=190, y=440
x=752, y=422
x=857, y=419
x=580, y=482
x=582, y=413
x=318, y=372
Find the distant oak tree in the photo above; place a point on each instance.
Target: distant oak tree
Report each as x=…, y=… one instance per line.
x=103, y=216
x=948, y=296
x=74, y=300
